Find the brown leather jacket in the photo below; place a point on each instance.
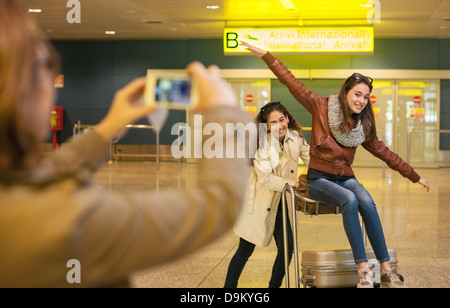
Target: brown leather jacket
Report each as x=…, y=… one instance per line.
x=326, y=154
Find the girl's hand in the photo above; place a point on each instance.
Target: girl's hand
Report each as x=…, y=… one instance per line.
x=425, y=184
x=254, y=50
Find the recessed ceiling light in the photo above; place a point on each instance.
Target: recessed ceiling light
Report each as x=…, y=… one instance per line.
x=213, y=7
x=366, y=5
x=110, y=32
x=34, y=10
x=152, y=21
x=288, y=5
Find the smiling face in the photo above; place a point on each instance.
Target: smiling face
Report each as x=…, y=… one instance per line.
x=358, y=98
x=277, y=124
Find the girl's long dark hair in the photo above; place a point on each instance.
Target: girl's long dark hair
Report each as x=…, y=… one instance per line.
x=366, y=116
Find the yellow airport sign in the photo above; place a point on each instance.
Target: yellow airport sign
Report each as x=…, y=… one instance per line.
x=317, y=40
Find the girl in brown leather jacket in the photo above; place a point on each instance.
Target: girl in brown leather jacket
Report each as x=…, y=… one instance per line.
x=340, y=123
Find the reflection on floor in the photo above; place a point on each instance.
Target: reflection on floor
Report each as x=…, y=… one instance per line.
x=415, y=222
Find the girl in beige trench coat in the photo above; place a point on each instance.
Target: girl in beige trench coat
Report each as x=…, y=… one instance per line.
x=274, y=165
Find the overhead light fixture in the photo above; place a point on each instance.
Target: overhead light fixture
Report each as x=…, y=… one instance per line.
x=34, y=10
x=293, y=23
x=213, y=7
x=288, y=5
x=152, y=21
x=366, y=5
x=110, y=32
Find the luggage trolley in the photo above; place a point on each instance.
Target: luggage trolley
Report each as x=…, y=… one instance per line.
x=308, y=207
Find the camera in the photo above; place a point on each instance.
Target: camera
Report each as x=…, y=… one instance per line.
x=172, y=90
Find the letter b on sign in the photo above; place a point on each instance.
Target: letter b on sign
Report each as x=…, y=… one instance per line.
x=232, y=40
x=74, y=275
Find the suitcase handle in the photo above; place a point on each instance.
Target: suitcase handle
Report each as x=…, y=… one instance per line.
x=288, y=188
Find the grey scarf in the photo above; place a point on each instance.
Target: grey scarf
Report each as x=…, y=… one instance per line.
x=335, y=117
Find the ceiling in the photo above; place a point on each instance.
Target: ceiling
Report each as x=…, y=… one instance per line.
x=187, y=19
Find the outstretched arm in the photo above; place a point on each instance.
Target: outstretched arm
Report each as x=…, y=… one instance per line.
x=254, y=50
x=377, y=148
x=425, y=184
x=299, y=91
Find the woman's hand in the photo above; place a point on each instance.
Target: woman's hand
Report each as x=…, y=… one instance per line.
x=425, y=184
x=213, y=91
x=126, y=108
x=253, y=49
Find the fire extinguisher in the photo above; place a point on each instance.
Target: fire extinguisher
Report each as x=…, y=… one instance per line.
x=56, y=121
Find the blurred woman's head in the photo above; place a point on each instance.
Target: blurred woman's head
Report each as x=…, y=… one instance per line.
x=27, y=67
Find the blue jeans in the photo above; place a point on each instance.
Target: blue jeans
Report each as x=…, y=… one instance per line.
x=352, y=198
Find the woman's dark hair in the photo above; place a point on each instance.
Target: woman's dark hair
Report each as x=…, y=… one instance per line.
x=24, y=54
x=366, y=116
x=266, y=110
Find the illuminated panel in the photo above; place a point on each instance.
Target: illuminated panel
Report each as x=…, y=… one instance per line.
x=334, y=40
x=327, y=11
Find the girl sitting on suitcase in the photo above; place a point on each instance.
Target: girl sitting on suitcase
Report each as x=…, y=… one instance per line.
x=274, y=165
x=340, y=123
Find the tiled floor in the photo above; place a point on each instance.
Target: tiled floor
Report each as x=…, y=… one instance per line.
x=415, y=222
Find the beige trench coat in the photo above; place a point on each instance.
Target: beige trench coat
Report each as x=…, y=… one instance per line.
x=272, y=168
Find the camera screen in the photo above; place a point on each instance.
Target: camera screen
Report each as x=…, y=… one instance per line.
x=170, y=90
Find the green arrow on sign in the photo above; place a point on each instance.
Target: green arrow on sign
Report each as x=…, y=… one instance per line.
x=250, y=37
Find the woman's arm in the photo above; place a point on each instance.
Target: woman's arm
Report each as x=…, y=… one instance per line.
x=377, y=148
x=118, y=234
x=80, y=157
x=77, y=159
x=301, y=93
